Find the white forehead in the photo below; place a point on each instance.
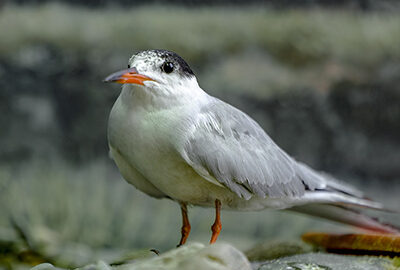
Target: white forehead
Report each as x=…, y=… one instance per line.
x=147, y=60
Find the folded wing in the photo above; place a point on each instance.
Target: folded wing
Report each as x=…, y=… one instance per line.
x=226, y=145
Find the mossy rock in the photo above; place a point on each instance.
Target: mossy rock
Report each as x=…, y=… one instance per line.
x=273, y=250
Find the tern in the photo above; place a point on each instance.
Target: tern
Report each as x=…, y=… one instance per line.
x=170, y=139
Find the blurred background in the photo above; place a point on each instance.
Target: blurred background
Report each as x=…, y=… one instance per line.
x=322, y=78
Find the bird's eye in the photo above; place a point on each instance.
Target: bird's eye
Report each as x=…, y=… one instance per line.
x=167, y=67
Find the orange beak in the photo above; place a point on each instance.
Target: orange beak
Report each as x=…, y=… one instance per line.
x=129, y=75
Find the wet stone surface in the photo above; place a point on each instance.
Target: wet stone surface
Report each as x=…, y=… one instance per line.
x=322, y=261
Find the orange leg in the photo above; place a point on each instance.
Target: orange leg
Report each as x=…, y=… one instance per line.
x=217, y=226
x=185, y=225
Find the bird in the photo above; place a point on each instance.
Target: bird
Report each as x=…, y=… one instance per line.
x=170, y=139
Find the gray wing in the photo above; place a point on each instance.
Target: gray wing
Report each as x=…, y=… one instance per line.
x=228, y=146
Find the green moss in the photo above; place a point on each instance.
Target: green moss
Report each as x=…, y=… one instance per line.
x=295, y=37
x=396, y=262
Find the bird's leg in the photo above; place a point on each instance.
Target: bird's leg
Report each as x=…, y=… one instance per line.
x=217, y=226
x=185, y=225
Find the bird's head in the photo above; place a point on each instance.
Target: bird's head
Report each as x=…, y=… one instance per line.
x=157, y=71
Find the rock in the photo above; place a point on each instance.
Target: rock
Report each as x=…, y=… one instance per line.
x=360, y=243
x=100, y=265
x=321, y=261
x=195, y=256
x=273, y=250
x=134, y=256
x=45, y=266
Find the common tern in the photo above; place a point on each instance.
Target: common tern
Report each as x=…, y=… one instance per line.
x=170, y=139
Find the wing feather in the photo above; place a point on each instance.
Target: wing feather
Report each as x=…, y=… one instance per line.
x=228, y=146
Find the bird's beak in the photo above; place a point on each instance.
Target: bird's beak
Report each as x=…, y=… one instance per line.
x=129, y=75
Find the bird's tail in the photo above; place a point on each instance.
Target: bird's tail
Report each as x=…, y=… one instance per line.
x=348, y=215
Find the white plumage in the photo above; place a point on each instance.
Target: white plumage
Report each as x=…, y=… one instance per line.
x=171, y=139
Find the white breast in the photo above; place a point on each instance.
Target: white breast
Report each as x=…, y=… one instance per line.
x=142, y=143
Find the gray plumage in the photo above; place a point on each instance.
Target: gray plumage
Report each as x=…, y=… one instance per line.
x=169, y=138
x=232, y=148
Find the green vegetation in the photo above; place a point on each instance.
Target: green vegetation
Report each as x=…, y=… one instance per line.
x=94, y=205
x=75, y=216
x=282, y=49
x=294, y=37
